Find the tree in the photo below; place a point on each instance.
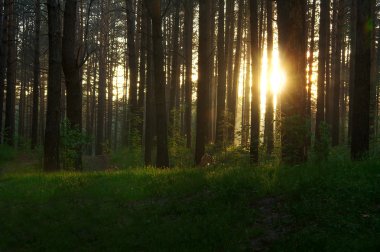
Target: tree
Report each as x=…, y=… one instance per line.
x=255, y=89
x=71, y=69
x=36, y=74
x=221, y=94
x=188, y=48
x=268, y=133
x=9, y=124
x=3, y=55
x=361, y=99
x=154, y=8
x=53, y=114
x=322, y=65
x=102, y=76
x=204, y=73
x=133, y=70
x=292, y=46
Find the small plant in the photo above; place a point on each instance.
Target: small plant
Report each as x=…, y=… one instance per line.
x=72, y=144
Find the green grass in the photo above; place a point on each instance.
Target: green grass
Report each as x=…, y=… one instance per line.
x=331, y=207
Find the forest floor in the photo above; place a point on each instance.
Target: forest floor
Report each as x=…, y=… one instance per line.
x=334, y=206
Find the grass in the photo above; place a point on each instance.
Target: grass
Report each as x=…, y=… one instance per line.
x=333, y=206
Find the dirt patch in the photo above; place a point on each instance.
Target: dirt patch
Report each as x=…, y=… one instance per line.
x=272, y=221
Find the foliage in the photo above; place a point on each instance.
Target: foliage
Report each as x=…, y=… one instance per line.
x=71, y=140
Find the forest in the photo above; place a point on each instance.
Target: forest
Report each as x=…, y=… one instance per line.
x=189, y=125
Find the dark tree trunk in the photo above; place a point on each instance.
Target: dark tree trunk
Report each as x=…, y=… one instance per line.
x=361, y=99
x=204, y=74
x=188, y=47
x=292, y=46
x=255, y=89
x=3, y=56
x=71, y=70
x=175, y=75
x=310, y=73
x=159, y=84
x=149, y=101
x=102, y=77
x=230, y=37
x=9, y=125
x=322, y=65
x=236, y=71
x=352, y=64
x=337, y=72
x=36, y=74
x=53, y=114
x=133, y=70
x=221, y=99
x=269, y=110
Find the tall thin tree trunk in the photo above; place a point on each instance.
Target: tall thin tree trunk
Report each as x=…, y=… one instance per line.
x=159, y=85
x=221, y=99
x=133, y=68
x=53, y=114
x=188, y=47
x=102, y=77
x=204, y=74
x=322, y=65
x=236, y=75
x=361, y=99
x=10, y=111
x=255, y=89
x=36, y=73
x=71, y=69
x=269, y=110
x=3, y=57
x=337, y=72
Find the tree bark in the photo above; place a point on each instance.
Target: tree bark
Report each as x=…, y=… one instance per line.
x=322, y=65
x=255, y=88
x=10, y=111
x=36, y=74
x=204, y=74
x=71, y=69
x=159, y=84
x=292, y=46
x=361, y=99
x=188, y=47
x=221, y=94
x=3, y=57
x=269, y=110
x=53, y=114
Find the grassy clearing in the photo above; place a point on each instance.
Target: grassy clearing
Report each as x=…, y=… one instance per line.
x=330, y=207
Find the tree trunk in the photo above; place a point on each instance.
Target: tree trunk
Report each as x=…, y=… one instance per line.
x=361, y=99
x=71, y=70
x=236, y=75
x=337, y=72
x=352, y=63
x=133, y=70
x=255, y=89
x=175, y=75
x=53, y=114
x=292, y=46
x=159, y=84
x=221, y=99
x=204, y=74
x=9, y=125
x=188, y=47
x=3, y=57
x=230, y=36
x=322, y=65
x=36, y=73
x=269, y=110
x=102, y=77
